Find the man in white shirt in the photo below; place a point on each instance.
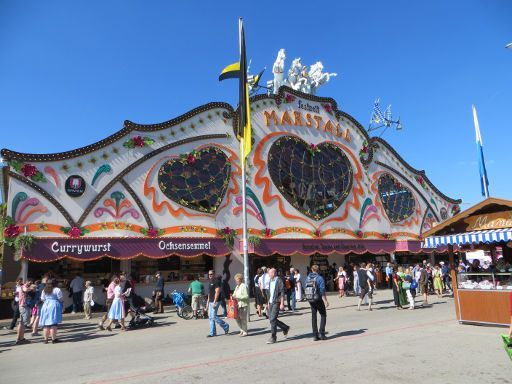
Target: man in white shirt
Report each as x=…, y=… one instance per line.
x=77, y=287
x=366, y=278
x=264, y=283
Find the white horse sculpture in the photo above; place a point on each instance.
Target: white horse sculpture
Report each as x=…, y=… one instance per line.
x=278, y=70
x=318, y=77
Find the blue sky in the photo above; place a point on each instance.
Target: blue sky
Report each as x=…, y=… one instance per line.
x=72, y=72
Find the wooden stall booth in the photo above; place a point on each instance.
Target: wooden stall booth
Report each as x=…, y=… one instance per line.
x=481, y=290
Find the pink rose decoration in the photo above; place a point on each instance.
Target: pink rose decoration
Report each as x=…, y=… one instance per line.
x=317, y=233
x=227, y=231
x=11, y=230
x=138, y=141
x=289, y=98
x=312, y=147
x=29, y=170
x=152, y=232
x=268, y=232
x=359, y=234
x=328, y=108
x=75, y=232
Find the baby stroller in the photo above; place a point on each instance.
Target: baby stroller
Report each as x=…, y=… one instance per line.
x=138, y=311
x=182, y=308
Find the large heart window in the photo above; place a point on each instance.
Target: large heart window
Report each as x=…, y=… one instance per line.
x=316, y=180
x=398, y=201
x=198, y=180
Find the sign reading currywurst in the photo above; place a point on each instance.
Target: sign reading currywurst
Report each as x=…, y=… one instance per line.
x=50, y=249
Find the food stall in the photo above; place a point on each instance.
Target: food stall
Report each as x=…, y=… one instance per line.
x=481, y=295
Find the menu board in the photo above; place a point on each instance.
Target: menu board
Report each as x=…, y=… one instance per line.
x=321, y=260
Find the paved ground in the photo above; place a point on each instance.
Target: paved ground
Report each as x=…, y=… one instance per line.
x=426, y=345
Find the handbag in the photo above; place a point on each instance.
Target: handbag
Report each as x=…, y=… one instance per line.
x=414, y=284
x=406, y=285
x=232, y=308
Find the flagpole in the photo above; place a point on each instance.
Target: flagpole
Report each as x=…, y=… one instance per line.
x=244, y=203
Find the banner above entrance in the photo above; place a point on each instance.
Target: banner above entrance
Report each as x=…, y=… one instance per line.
x=87, y=248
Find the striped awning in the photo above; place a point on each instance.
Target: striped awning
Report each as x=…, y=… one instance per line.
x=476, y=237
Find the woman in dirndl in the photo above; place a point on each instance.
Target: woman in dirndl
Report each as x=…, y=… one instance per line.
x=117, y=308
x=51, y=311
x=341, y=278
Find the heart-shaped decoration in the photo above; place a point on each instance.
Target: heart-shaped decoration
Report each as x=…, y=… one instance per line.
x=398, y=200
x=198, y=180
x=316, y=180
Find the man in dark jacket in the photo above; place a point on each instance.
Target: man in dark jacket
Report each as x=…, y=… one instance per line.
x=318, y=305
x=276, y=303
x=159, y=293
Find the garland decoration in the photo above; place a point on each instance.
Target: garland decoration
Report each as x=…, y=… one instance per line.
x=254, y=240
x=228, y=234
x=74, y=232
x=152, y=232
x=28, y=170
x=138, y=141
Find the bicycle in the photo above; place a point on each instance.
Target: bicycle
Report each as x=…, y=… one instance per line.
x=182, y=308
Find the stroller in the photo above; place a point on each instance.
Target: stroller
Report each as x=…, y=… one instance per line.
x=137, y=308
x=182, y=308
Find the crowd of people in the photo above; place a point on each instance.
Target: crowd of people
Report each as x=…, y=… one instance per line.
x=39, y=304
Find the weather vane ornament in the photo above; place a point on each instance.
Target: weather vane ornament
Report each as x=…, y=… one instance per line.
x=382, y=120
x=298, y=77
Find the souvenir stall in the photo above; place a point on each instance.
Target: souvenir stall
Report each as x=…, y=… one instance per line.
x=167, y=196
x=481, y=294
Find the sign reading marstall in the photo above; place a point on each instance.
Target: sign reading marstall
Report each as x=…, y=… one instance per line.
x=490, y=221
x=52, y=249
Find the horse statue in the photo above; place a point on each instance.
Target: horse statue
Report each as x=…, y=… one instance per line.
x=278, y=70
x=294, y=74
x=318, y=77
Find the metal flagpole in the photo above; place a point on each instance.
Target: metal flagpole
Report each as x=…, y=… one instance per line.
x=244, y=204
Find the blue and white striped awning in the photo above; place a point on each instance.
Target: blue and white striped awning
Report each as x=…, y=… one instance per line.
x=488, y=236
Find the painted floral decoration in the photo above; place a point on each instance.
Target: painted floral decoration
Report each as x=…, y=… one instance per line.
x=28, y=170
x=74, y=231
x=138, y=141
x=386, y=236
x=359, y=234
x=318, y=233
x=152, y=232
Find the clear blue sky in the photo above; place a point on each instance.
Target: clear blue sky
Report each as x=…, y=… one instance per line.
x=72, y=71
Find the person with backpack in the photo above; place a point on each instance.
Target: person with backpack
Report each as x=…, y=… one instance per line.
x=365, y=279
x=317, y=298
x=276, y=303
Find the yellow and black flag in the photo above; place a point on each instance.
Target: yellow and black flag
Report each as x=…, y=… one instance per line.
x=239, y=70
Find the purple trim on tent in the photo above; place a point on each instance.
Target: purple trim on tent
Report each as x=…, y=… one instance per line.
x=306, y=247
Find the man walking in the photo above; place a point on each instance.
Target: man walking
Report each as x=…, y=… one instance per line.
x=290, y=285
x=196, y=288
x=316, y=295
x=365, y=278
x=389, y=275
x=213, y=306
x=423, y=284
x=77, y=287
x=264, y=282
x=159, y=293
x=275, y=303
x=24, y=313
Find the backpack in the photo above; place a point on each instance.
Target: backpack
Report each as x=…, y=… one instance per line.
x=287, y=284
x=311, y=290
